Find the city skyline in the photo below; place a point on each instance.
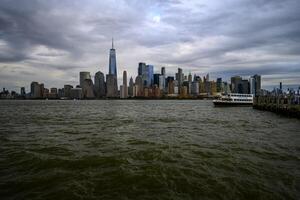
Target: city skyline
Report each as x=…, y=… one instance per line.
x=51, y=42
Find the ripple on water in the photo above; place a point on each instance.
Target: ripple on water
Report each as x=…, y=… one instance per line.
x=146, y=150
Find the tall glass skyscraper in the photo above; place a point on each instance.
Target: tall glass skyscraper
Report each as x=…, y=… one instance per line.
x=112, y=60
x=111, y=77
x=146, y=71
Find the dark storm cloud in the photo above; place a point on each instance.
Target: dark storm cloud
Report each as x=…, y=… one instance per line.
x=225, y=37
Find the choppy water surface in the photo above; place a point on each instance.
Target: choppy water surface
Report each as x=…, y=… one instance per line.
x=146, y=150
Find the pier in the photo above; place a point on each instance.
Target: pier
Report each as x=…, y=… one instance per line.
x=288, y=105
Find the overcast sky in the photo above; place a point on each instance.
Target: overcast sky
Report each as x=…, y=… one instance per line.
x=50, y=41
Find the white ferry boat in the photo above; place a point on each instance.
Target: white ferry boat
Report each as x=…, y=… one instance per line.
x=234, y=99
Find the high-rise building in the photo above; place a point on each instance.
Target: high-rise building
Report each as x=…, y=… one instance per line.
x=213, y=88
x=190, y=77
x=99, y=84
x=131, y=88
x=150, y=70
x=168, y=79
x=111, y=78
x=161, y=82
x=142, y=71
x=146, y=72
x=124, y=89
x=111, y=86
x=171, y=86
x=88, y=89
x=195, y=88
x=280, y=86
x=235, y=81
x=156, y=79
x=219, y=85
x=207, y=77
x=23, y=93
x=36, y=90
x=163, y=74
x=163, y=71
x=83, y=76
x=112, y=60
x=179, y=78
x=61, y=92
x=188, y=86
x=226, y=88
x=243, y=87
x=67, y=90
x=76, y=93
x=139, y=84
x=135, y=90
x=122, y=95
x=255, y=84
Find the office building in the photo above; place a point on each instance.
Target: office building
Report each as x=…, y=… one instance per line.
x=255, y=84
x=99, y=85
x=190, y=77
x=36, y=90
x=219, y=85
x=179, y=78
x=76, y=93
x=83, y=76
x=146, y=72
x=111, y=78
x=112, y=60
x=22, y=92
x=88, y=89
x=124, y=89
x=161, y=82
x=131, y=87
x=235, y=81
x=171, y=87
x=195, y=88
x=67, y=91
x=156, y=79
x=111, y=86
x=139, y=84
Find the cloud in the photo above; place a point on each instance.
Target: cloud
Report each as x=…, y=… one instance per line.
x=225, y=38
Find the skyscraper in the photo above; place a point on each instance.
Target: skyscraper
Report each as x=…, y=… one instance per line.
x=23, y=93
x=179, y=78
x=111, y=78
x=156, y=79
x=190, y=77
x=163, y=71
x=150, y=70
x=111, y=86
x=99, y=84
x=146, y=72
x=255, y=84
x=219, y=85
x=67, y=90
x=125, y=88
x=163, y=74
x=235, y=81
x=36, y=90
x=112, y=60
x=139, y=85
x=130, y=89
x=83, y=76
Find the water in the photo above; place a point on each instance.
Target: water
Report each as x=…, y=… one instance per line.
x=146, y=150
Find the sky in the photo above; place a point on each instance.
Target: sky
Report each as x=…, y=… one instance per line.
x=51, y=41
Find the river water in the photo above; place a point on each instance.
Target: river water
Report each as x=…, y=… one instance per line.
x=146, y=149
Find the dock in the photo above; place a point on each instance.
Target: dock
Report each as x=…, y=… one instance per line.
x=288, y=105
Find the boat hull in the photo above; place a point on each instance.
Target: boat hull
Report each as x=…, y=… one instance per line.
x=218, y=103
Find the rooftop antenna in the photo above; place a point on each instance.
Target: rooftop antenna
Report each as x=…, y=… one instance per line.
x=112, y=43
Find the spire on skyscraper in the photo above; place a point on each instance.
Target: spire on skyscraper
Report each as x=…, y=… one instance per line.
x=112, y=43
